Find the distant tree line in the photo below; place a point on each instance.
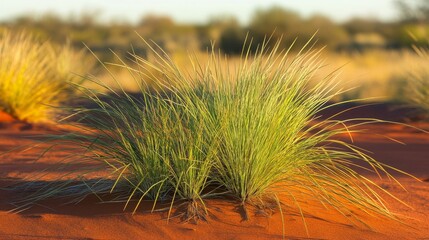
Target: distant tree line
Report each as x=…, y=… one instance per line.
x=227, y=34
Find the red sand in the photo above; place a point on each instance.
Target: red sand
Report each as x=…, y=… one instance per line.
x=93, y=220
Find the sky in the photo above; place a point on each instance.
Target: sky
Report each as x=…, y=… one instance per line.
x=196, y=11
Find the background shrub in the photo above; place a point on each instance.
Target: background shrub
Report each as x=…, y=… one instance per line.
x=35, y=76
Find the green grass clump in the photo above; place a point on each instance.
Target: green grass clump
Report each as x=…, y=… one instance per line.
x=249, y=131
x=35, y=75
x=418, y=87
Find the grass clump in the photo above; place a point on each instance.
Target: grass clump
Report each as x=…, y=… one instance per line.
x=35, y=75
x=271, y=142
x=418, y=85
x=250, y=131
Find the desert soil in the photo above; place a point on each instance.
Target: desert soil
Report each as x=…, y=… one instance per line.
x=91, y=219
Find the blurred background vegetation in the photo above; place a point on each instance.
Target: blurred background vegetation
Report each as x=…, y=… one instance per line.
x=357, y=34
x=376, y=53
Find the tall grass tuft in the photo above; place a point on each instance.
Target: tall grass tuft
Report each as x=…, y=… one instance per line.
x=418, y=87
x=158, y=143
x=251, y=131
x=271, y=142
x=34, y=76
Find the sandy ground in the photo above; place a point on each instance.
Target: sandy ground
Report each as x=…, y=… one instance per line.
x=91, y=219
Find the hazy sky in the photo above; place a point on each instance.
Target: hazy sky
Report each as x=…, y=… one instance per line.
x=196, y=10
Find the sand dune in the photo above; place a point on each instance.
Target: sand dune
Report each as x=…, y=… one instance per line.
x=91, y=219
